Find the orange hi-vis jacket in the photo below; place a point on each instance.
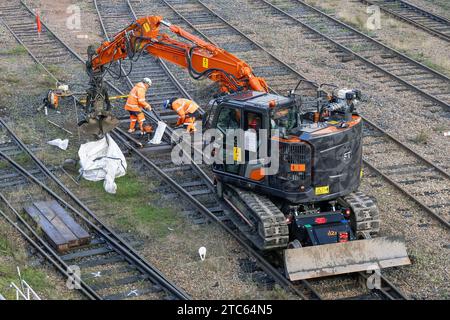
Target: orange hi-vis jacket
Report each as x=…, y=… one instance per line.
x=184, y=107
x=136, y=98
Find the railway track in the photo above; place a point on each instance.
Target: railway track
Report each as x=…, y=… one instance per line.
x=121, y=266
x=109, y=267
x=192, y=196
x=418, y=17
x=398, y=168
x=211, y=210
x=221, y=34
x=188, y=180
x=399, y=71
x=49, y=54
x=421, y=180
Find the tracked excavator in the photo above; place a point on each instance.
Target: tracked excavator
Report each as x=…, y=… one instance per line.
x=310, y=209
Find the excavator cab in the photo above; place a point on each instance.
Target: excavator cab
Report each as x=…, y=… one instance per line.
x=308, y=204
x=319, y=157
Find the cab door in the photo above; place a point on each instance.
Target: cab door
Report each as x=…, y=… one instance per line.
x=254, y=121
x=229, y=118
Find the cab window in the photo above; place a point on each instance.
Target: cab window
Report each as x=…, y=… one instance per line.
x=229, y=118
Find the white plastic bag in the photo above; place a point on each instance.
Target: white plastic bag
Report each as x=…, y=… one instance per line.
x=62, y=144
x=102, y=160
x=202, y=253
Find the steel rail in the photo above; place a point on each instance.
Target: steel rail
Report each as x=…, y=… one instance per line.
x=419, y=25
x=363, y=59
x=263, y=263
x=49, y=254
x=422, y=205
x=121, y=245
x=396, y=141
x=396, y=52
x=302, y=76
x=104, y=233
x=73, y=52
x=135, y=256
x=266, y=266
x=393, y=293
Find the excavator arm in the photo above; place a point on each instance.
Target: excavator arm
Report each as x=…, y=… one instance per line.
x=200, y=58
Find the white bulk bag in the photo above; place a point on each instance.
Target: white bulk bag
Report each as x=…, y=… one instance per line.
x=102, y=160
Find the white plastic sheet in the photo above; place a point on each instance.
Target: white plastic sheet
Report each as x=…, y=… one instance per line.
x=102, y=160
x=62, y=144
x=159, y=133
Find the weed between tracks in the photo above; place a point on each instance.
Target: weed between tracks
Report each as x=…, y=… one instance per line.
x=13, y=254
x=14, y=51
x=421, y=138
x=132, y=208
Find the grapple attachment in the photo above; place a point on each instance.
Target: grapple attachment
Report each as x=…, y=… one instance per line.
x=345, y=257
x=99, y=125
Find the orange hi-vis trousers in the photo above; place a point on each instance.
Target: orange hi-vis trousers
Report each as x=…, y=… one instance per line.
x=137, y=117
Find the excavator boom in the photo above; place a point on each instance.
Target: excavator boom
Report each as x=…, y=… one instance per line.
x=200, y=58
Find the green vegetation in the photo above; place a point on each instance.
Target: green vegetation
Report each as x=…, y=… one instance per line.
x=428, y=62
x=357, y=47
x=36, y=278
x=132, y=206
x=5, y=247
x=9, y=78
x=441, y=129
x=13, y=255
x=15, y=51
x=21, y=158
x=43, y=80
x=279, y=293
x=421, y=138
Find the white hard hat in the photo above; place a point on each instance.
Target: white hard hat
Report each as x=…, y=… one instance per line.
x=147, y=81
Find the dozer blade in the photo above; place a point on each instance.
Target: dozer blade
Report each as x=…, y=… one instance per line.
x=338, y=258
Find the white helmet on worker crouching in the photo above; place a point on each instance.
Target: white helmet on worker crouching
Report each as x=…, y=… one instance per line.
x=147, y=81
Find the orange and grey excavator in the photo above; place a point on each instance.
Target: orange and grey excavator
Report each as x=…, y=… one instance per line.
x=310, y=209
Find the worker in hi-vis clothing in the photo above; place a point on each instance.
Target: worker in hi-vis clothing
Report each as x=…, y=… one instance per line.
x=136, y=102
x=188, y=111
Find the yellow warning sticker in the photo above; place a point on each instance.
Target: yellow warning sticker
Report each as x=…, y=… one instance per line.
x=205, y=63
x=146, y=27
x=322, y=190
x=237, y=154
x=361, y=173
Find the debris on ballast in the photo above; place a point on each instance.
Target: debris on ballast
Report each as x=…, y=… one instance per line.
x=202, y=253
x=62, y=144
x=158, y=133
x=102, y=160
